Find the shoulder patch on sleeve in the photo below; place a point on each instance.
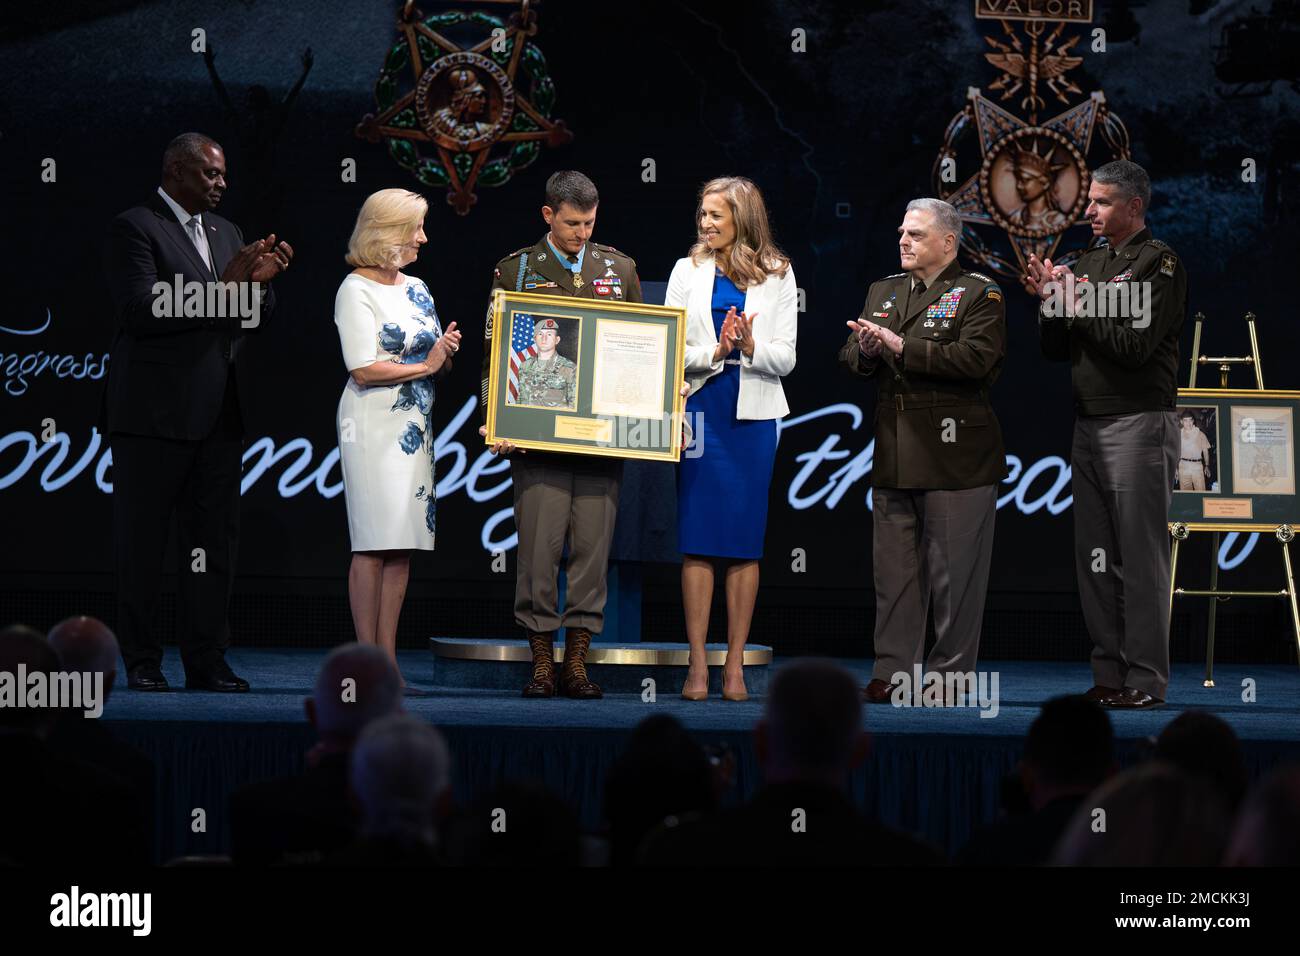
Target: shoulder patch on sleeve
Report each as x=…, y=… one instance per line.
x=1168, y=264
x=993, y=293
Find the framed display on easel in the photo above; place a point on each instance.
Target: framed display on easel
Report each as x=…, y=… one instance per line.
x=1236, y=471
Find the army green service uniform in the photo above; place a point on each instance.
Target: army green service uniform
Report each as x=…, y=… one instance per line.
x=559, y=496
x=938, y=459
x=1125, y=456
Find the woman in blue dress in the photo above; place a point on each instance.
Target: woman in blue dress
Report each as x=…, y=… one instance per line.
x=740, y=297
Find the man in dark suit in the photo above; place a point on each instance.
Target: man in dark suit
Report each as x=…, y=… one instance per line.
x=172, y=407
x=933, y=336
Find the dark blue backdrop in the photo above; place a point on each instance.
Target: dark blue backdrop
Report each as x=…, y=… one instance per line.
x=839, y=136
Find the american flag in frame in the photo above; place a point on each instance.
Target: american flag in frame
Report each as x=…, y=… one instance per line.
x=522, y=348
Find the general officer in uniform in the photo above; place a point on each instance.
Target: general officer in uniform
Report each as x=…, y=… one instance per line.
x=933, y=336
x=1126, y=434
x=547, y=378
x=563, y=496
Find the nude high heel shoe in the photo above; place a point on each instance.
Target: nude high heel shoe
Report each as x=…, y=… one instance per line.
x=697, y=694
x=740, y=695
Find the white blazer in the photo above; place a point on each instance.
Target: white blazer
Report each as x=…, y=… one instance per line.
x=775, y=303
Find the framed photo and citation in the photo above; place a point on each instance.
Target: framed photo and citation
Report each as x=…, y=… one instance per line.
x=586, y=377
x=1237, y=460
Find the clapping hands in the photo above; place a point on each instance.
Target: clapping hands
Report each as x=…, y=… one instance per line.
x=443, y=349
x=874, y=339
x=259, y=261
x=1040, y=274
x=272, y=259
x=737, y=333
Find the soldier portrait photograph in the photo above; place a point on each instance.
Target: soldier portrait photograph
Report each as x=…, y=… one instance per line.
x=548, y=370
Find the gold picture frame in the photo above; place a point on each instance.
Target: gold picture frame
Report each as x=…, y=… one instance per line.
x=627, y=361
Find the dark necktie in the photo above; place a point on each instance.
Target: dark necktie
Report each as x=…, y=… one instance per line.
x=917, y=291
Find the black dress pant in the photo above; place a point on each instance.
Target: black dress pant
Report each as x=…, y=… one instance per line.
x=197, y=481
x=1124, y=469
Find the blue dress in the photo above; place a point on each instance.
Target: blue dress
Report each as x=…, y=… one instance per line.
x=722, y=493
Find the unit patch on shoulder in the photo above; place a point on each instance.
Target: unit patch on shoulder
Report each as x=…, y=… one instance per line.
x=1168, y=263
x=995, y=295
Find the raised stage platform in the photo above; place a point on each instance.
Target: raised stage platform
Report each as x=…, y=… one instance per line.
x=633, y=668
x=934, y=771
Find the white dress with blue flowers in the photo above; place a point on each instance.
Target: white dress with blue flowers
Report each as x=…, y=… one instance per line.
x=385, y=431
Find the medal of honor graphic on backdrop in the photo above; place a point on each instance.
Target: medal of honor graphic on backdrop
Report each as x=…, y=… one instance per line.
x=1028, y=183
x=465, y=99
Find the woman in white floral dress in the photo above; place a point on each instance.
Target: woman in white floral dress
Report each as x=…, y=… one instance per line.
x=393, y=344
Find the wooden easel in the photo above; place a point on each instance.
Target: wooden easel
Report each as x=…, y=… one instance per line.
x=1179, y=531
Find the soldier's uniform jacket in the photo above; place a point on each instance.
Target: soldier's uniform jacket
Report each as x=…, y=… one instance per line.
x=934, y=426
x=607, y=275
x=1120, y=365
x=547, y=383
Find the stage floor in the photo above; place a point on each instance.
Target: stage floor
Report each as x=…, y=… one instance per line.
x=280, y=679
x=937, y=772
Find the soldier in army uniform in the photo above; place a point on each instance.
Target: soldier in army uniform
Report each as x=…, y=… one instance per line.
x=934, y=338
x=563, y=496
x=547, y=378
x=1126, y=437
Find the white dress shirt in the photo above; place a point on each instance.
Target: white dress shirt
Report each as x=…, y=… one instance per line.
x=193, y=226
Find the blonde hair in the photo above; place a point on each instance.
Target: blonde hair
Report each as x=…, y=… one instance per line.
x=753, y=255
x=388, y=219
